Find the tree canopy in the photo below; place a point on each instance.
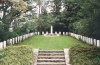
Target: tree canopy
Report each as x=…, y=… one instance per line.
x=78, y=16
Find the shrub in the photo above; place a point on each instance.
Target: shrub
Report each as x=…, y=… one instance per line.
x=16, y=55
x=88, y=55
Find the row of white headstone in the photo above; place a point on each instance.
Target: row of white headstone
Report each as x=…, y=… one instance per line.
x=26, y=36
x=15, y=40
x=88, y=40
x=23, y=37
x=64, y=33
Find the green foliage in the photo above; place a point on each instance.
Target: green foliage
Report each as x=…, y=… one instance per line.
x=11, y=11
x=78, y=16
x=25, y=28
x=19, y=55
x=44, y=22
x=4, y=34
x=87, y=18
x=85, y=55
x=81, y=27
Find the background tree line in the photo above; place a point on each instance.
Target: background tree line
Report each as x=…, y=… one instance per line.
x=78, y=16
x=15, y=20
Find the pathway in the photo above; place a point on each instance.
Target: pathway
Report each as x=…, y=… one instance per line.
x=51, y=57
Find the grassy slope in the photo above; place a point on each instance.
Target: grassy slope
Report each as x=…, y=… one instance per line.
x=16, y=55
x=85, y=55
x=60, y=42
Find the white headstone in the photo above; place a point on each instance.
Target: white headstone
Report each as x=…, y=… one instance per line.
x=56, y=33
x=24, y=36
x=8, y=41
x=4, y=44
x=91, y=41
x=11, y=41
x=1, y=14
x=81, y=37
x=38, y=33
x=46, y=33
x=35, y=33
x=98, y=43
x=95, y=42
x=16, y=39
x=20, y=38
x=66, y=33
x=51, y=30
x=59, y=33
x=87, y=40
x=42, y=33
x=63, y=33
x=1, y=45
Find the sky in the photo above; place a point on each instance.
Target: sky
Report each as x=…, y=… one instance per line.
x=47, y=7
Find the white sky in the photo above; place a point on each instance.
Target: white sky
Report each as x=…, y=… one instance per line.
x=48, y=7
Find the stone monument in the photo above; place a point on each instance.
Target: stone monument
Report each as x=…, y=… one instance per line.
x=51, y=30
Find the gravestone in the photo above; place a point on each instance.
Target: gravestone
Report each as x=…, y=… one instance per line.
x=59, y=33
x=47, y=33
x=38, y=33
x=1, y=45
x=66, y=33
x=95, y=42
x=4, y=44
x=91, y=41
x=13, y=41
x=63, y=33
x=98, y=43
x=55, y=33
x=16, y=39
x=42, y=33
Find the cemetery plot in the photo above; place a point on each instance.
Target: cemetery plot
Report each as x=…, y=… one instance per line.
x=59, y=42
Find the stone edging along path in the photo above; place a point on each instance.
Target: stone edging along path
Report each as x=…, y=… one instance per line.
x=51, y=57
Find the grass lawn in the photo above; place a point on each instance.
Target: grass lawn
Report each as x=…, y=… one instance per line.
x=60, y=42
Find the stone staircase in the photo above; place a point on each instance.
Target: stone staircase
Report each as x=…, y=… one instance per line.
x=51, y=57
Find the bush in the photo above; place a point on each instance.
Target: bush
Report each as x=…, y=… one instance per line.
x=88, y=55
x=16, y=55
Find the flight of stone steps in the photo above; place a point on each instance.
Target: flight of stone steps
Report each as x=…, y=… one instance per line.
x=52, y=57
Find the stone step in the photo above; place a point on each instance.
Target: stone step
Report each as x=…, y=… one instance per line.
x=51, y=51
x=51, y=57
x=51, y=63
x=51, y=60
x=51, y=54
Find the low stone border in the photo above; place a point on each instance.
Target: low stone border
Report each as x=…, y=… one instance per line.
x=67, y=57
x=35, y=54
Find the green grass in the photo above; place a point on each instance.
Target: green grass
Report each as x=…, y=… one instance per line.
x=16, y=55
x=60, y=42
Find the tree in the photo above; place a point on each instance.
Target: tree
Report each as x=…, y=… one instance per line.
x=11, y=9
